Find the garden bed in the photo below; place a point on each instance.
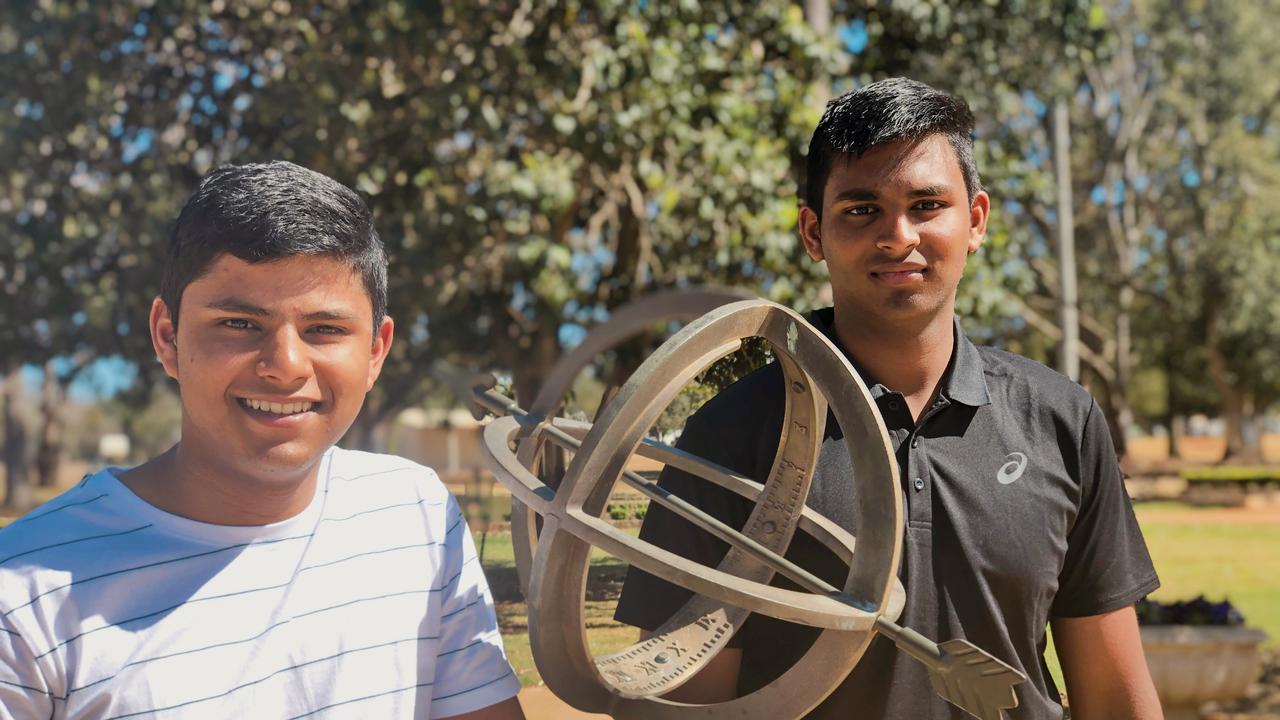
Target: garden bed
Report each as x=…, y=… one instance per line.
x=1260, y=702
x=1233, y=485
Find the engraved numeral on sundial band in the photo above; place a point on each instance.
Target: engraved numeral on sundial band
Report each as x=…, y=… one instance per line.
x=789, y=465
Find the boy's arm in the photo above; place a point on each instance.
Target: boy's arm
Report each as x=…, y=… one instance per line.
x=1104, y=667
x=508, y=709
x=472, y=674
x=1106, y=569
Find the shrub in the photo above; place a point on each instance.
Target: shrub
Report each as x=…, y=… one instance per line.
x=1232, y=473
x=1198, y=611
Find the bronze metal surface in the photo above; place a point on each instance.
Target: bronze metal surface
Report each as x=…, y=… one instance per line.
x=629, y=683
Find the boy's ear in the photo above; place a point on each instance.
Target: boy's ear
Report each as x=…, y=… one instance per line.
x=811, y=233
x=979, y=213
x=382, y=336
x=164, y=337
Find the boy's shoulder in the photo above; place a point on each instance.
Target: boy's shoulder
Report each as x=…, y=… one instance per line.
x=78, y=506
x=1032, y=389
x=71, y=519
x=382, y=473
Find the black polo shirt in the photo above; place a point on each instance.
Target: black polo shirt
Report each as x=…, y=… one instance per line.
x=1015, y=512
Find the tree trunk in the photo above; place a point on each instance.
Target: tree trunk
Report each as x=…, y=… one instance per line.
x=1232, y=410
x=1236, y=402
x=532, y=368
x=52, y=423
x=818, y=14
x=1173, y=408
x=1250, y=432
x=362, y=434
x=1122, y=412
x=18, y=490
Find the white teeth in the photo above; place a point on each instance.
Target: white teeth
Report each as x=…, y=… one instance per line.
x=277, y=408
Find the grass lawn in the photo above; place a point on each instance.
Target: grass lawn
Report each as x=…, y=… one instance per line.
x=1217, y=558
x=604, y=582
x=1196, y=551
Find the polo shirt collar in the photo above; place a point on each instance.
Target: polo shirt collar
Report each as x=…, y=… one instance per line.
x=964, y=382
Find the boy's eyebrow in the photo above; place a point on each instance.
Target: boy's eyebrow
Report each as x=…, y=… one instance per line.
x=336, y=315
x=868, y=194
x=857, y=194
x=242, y=307
x=236, y=305
x=929, y=191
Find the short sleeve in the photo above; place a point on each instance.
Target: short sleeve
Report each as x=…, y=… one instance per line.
x=472, y=671
x=23, y=690
x=1107, y=565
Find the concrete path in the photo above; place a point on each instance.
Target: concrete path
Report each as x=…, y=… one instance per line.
x=540, y=704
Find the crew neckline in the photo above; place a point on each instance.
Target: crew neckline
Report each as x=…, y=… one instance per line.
x=299, y=524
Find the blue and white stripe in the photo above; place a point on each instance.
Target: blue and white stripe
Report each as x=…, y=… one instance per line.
x=370, y=603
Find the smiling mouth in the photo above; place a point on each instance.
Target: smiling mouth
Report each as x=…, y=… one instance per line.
x=899, y=274
x=276, y=408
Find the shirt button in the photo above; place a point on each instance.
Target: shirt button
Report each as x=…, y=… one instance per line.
x=915, y=441
x=893, y=404
x=919, y=483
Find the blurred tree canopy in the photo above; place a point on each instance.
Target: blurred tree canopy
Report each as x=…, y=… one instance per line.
x=533, y=165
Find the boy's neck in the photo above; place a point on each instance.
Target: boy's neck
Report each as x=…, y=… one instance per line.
x=181, y=482
x=907, y=358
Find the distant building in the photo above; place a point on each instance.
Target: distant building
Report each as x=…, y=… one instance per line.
x=113, y=447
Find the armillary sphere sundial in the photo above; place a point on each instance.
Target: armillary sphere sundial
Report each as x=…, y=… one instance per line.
x=553, y=564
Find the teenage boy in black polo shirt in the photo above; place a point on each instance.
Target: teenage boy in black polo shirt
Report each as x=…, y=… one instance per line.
x=1016, y=516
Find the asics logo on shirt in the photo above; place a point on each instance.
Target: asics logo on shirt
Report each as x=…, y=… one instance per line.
x=1012, y=470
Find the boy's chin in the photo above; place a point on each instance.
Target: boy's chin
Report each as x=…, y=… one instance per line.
x=282, y=462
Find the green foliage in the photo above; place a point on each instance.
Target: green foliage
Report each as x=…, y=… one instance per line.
x=1232, y=474
x=1198, y=611
x=529, y=165
x=724, y=372
x=533, y=166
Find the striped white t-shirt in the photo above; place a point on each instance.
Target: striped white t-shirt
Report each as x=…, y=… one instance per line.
x=368, y=604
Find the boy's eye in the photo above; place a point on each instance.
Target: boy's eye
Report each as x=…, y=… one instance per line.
x=860, y=210
x=930, y=205
x=328, y=330
x=237, y=324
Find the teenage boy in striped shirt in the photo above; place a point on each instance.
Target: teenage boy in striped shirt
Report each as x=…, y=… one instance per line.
x=255, y=569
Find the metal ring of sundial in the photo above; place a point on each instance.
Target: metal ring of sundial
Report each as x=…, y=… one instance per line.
x=624, y=323
x=626, y=684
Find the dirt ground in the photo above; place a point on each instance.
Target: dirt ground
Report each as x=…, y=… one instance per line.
x=1265, y=515
x=540, y=703
x=1262, y=702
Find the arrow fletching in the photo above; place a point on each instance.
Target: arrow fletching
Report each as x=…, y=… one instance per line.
x=974, y=681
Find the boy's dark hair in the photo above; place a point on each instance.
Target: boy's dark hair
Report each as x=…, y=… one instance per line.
x=885, y=112
x=271, y=211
